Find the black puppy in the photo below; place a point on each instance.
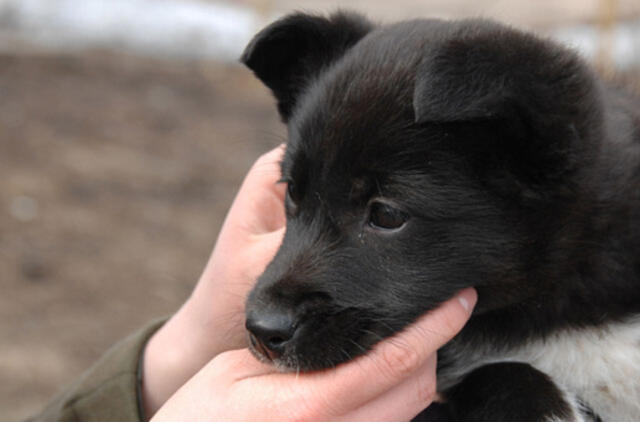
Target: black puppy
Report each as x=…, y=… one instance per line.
x=428, y=156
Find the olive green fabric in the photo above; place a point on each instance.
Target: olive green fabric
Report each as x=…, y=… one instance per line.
x=108, y=390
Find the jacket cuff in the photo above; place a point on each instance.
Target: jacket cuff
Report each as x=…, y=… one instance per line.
x=108, y=391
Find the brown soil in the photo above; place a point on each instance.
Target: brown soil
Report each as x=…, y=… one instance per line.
x=115, y=174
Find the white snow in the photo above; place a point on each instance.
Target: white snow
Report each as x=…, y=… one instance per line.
x=624, y=44
x=174, y=28
x=203, y=30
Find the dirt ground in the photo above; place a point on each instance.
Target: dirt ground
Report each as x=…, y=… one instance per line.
x=115, y=175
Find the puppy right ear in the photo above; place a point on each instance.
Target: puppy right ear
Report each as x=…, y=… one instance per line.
x=289, y=52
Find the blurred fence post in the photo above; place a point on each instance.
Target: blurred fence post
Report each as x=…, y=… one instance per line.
x=263, y=8
x=607, y=19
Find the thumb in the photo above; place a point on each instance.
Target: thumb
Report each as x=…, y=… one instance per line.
x=398, y=357
x=408, y=350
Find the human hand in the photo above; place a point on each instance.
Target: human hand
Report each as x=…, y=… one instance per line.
x=212, y=319
x=394, y=382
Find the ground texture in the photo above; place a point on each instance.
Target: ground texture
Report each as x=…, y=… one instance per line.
x=115, y=174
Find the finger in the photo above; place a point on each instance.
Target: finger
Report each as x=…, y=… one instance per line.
x=261, y=251
x=402, y=402
x=269, y=209
x=394, y=359
x=259, y=205
x=265, y=172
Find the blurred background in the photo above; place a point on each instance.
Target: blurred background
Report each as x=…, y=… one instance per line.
x=125, y=129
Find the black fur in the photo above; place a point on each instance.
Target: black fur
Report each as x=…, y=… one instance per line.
x=290, y=52
x=507, y=392
x=518, y=171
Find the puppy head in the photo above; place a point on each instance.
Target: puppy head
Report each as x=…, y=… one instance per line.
x=423, y=157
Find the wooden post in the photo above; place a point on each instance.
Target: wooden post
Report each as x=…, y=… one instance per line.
x=607, y=17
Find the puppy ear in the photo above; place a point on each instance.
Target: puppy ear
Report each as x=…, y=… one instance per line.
x=533, y=105
x=484, y=70
x=289, y=52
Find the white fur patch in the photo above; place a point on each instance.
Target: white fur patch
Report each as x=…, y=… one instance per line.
x=601, y=366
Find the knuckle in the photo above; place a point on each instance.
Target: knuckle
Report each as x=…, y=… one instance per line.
x=401, y=360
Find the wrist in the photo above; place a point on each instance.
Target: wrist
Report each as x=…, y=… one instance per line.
x=173, y=355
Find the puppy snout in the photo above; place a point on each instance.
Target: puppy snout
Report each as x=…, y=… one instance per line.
x=270, y=331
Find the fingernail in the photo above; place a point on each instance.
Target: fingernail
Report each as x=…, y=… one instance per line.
x=464, y=302
x=466, y=297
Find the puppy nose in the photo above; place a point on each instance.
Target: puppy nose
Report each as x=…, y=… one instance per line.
x=269, y=332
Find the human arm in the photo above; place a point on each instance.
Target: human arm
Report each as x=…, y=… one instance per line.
x=105, y=392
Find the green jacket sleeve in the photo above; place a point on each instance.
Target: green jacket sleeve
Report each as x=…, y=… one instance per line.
x=108, y=391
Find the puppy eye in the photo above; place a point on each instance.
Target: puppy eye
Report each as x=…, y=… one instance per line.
x=291, y=190
x=290, y=201
x=384, y=216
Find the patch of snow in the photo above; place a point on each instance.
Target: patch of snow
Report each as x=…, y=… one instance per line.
x=198, y=30
x=624, y=42
x=173, y=28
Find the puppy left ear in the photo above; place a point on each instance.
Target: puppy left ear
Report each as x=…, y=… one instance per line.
x=533, y=105
x=291, y=51
x=485, y=71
